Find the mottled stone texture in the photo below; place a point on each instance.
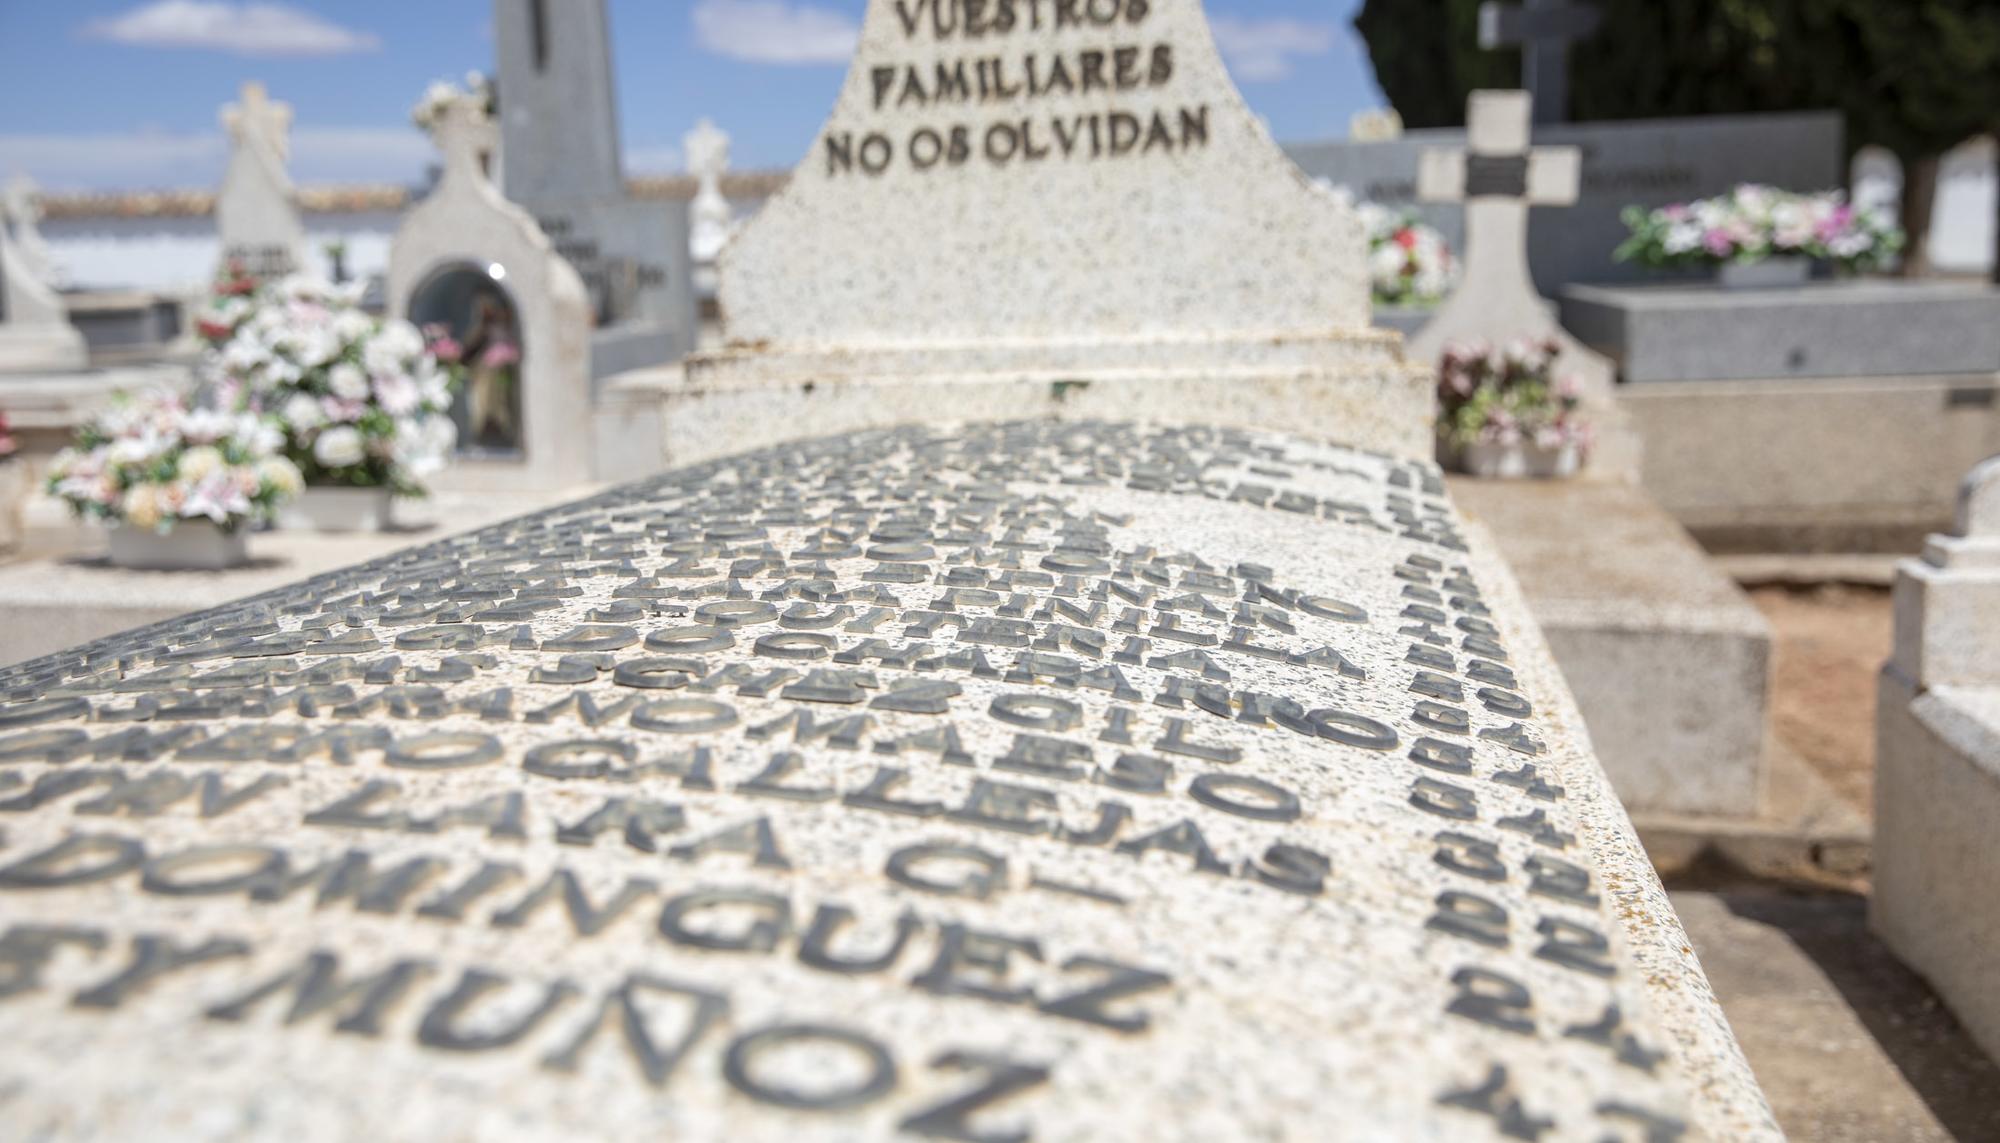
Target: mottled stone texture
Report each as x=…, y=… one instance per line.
x=1937, y=784
x=1028, y=780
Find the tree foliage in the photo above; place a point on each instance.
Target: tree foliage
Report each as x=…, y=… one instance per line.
x=1914, y=76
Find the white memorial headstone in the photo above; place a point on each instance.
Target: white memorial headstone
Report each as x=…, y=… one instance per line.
x=35, y=332
x=257, y=213
x=467, y=258
x=1061, y=193
x=1499, y=176
x=707, y=151
x=21, y=214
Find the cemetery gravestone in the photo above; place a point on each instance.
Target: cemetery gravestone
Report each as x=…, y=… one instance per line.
x=1021, y=781
x=35, y=333
x=257, y=213
x=707, y=151
x=1937, y=792
x=560, y=159
x=1645, y=163
x=21, y=214
x=468, y=259
x=1062, y=208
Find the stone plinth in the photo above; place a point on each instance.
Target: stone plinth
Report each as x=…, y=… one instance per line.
x=1833, y=464
x=1056, y=198
x=1862, y=328
x=1029, y=781
x=1937, y=779
x=1669, y=660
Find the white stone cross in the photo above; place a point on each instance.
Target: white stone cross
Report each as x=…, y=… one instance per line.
x=707, y=148
x=260, y=122
x=1498, y=176
x=466, y=135
x=1544, y=29
x=20, y=214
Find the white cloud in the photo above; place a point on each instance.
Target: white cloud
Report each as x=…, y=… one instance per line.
x=774, y=31
x=158, y=160
x=244, y=29
x=1259, y=51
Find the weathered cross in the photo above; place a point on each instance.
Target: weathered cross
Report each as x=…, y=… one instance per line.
x=466, y=135
x=1498, y=176
x=260, y=121
x=1544, y=29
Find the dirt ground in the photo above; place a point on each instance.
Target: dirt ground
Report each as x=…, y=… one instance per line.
x=1828, y=643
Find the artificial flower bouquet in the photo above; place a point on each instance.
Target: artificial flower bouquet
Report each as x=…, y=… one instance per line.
x=1504, y=412
x=1408, y=262
x=358, y=401
x=151, y=461
x=1752, y=223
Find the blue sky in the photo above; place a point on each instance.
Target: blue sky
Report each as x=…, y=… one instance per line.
x=123, y=94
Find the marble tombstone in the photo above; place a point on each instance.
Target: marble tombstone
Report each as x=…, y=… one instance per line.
x=1029, y=780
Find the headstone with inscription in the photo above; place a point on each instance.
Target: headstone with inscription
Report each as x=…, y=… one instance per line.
x=257, y=213
x=476, y=264
x=560, y=158
x=1052, y=207
x=1019, y=781
x=35, y=332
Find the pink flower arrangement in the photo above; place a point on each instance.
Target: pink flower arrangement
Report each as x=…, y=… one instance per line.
x=1755, y=222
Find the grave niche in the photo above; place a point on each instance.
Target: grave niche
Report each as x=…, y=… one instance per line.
x=472, y=304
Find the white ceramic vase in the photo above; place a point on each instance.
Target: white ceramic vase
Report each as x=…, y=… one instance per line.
x=1779, y=273
x=1492, y=460
x=1558, y=462
x=323, y=509
x=190, y=545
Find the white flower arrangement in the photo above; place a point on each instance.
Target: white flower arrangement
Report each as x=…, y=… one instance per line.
x=1409, y=263
x=151, y=461
x=1755, y=222
x=357, y=401
x=443, y=93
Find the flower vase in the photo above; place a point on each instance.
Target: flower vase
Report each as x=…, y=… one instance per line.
x=1783, y=272
x=1559, y=462
x=331, y=509
x=190, y=545
x=1492, y=459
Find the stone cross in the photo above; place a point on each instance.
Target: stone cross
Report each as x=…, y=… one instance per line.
x=261, y=122
x=707, y=149
x=465, y=135
x=1544, y=29
x=255, y=213
x=1499, y=176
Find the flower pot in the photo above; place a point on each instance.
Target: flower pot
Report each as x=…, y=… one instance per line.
x=1488, y=459
x=1561, y=461
x=190, y=545
x=321, y=509
x=1780, y=273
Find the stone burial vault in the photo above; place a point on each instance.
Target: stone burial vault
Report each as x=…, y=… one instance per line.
x=1006, y=782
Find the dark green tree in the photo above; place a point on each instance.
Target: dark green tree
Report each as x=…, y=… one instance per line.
x=1916, y=77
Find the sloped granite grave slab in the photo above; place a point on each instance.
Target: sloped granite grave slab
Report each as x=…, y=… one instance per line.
x=1019, y=781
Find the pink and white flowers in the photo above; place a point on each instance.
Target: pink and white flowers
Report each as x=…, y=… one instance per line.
x=1408, y=262
x=1755, y=222
x=1508, y=394
x=358, y=401
x=150, y=461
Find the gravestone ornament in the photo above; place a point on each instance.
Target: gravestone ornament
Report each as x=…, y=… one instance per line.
x=468, y=259
x=1023, y=781
x=707, y=151
x=257, y=212
x=1058, y=193
x=560, y=159
x=35, y=332
x=1543, y=30
x=1498, y=176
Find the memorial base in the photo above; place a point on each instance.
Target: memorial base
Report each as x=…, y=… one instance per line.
x=190, y=545
x=338, y=510
x=51, y=347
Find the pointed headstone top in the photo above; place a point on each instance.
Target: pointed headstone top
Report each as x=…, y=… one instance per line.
x=1048, y=170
